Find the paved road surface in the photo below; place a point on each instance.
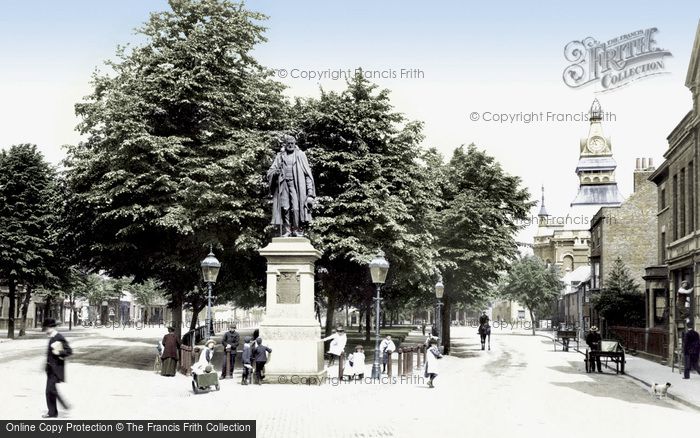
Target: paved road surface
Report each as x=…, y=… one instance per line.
x=519, y=388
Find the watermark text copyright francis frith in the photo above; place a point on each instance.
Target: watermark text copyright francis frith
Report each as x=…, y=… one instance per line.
x=344, y=74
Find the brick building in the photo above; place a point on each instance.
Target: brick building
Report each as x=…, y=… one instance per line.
x=678, y=232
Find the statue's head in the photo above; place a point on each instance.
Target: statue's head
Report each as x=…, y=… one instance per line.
x=289, y=143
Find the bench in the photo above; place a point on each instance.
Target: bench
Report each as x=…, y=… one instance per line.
x=610, y=350
x=564, y=336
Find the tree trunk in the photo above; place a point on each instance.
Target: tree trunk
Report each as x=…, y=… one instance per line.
x=368, y=322
x=25, y=309
x=532, y=319
x=195, y=315
x=11, y=295
x=445, y=322
x=330, y=312
x=359, y=321
x=177, y=313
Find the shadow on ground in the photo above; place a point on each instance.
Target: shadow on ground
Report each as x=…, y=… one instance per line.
x=627, y=393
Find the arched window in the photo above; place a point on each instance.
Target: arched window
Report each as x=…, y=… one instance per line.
x=568, y=263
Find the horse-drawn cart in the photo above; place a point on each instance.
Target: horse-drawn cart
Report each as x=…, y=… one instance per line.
x=610, y=350
x=564, y=337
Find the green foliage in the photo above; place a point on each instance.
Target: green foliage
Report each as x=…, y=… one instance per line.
x=26, y=216
x=532, y=283
x=374, y=190
x=27, y=223
x=482, y=208
x=176, y=142
x=620, y=302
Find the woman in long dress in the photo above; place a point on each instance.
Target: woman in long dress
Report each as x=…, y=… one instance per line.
x=171, y=353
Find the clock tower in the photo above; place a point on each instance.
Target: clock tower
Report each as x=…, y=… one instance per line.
x=596, y=166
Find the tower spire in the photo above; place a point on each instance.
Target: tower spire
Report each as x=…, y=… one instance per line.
x=543, y=211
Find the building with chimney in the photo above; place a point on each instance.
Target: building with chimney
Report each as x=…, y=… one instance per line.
x=675, y=276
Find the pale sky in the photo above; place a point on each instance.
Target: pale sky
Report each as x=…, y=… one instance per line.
x=504, y=57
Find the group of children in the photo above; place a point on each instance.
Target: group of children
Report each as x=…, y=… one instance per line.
x=254, y=357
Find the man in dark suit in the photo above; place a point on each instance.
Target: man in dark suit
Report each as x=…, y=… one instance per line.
x=593, y=339
x=58, y=350
x=691, y=351
x=230, y=343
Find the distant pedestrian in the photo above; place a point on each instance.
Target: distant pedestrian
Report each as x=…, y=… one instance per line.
x=230, y=342
x=58, y=351
x=260, y=355
x=422, y=327
x=593, y=340
x=484, y=318
x=247, y=358
x=338, y=341
x=171, y=353
x=431, y=365
x=387, y=348
x=691, y=351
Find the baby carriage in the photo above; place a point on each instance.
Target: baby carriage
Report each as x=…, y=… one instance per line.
x=203, y=381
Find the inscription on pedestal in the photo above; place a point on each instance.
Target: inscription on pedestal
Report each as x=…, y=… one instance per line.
x=288, y=289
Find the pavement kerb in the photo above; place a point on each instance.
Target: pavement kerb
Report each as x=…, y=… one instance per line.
x=639, y=380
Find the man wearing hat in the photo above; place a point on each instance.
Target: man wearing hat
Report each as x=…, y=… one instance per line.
x=230, y=342
x=58, y=350
x=593, y=340
x=691, y=351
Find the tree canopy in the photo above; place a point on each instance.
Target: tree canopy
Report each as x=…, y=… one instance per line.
x=620, y=301
x=27, y=222
x=177, y=136
x=533, y=284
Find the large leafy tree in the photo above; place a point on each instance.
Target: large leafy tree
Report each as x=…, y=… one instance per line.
x=373, y=192
x=532, y=283
x=27, y=222
x=177, y=139
x=483, y=206
x=620, y=301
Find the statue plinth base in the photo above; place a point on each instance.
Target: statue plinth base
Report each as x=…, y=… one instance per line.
x=289, y=327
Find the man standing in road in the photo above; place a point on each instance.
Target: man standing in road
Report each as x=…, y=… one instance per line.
x=484, y=318
x=691, y=351
x=230, y=343
x=58, y=351
x=593, y=340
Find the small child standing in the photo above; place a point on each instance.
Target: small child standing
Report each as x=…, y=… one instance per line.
x=246, y=356
x=358, y=362
x=260, y=357
x=431, y=358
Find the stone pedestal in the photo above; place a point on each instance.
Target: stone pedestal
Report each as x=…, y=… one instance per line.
x=289, y=327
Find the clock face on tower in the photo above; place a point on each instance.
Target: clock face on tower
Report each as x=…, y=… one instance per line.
x=596, y=144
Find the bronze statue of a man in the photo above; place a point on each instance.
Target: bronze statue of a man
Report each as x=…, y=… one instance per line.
x=292, y=188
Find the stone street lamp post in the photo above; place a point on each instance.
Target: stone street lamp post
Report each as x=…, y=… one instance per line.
x=210, y=270
x=378, y=268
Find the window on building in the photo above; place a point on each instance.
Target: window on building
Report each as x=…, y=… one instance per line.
x=662, y=198
x=683, y=203
x=595, y=278
x=691, y=200
x=662, y=248
x=659, y=306
x=674, y=199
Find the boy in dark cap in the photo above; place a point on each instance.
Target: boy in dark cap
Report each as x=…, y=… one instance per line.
x=260, y=357
x=246, y=357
